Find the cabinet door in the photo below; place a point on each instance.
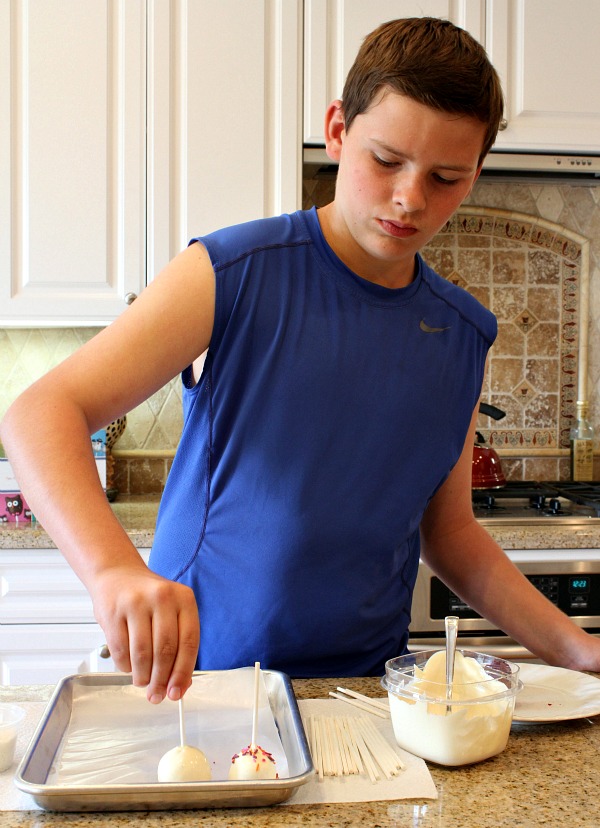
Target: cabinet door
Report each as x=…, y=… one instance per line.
x=334, y=30
x=46, y=653
x=224, y=117
x=546, y=52
x=38, y=586
x=72, y=159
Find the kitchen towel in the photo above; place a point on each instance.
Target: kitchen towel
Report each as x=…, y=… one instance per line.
x=414, y=782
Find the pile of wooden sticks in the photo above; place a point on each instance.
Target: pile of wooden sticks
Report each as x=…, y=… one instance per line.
x=346, y=745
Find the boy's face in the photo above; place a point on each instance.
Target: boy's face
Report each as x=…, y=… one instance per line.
x=404, y=168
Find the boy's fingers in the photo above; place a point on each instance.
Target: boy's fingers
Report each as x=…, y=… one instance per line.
x=140, y=648
x=187, y=653
x=164, y=651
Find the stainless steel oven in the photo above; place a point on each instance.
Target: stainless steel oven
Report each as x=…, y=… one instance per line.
x=568, y=578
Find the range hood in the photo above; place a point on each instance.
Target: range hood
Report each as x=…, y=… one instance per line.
x=502, y=165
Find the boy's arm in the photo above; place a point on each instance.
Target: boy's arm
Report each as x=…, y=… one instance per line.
x=151, y=624
x=470, y=562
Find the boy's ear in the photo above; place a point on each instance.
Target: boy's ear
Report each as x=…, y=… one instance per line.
x=334, y=130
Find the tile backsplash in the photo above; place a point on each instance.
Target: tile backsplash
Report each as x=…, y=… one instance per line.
x=529, y=272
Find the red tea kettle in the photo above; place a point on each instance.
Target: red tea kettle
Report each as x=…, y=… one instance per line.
x=487, y=469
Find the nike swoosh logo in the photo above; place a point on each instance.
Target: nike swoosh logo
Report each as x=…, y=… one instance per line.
x=428, y=329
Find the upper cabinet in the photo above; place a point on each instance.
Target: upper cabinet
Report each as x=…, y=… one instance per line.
x=224, y=117
x=129, y=127
x=334, y=31
x=545, y=51
x=72, y=159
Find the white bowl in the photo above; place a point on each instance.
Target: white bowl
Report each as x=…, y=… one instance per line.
x=474, y=726
x=11, y=716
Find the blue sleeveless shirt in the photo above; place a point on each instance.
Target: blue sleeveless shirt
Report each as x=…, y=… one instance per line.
x=329, y=411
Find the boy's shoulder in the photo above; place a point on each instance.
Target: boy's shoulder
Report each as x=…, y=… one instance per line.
x=233, y=243
x=460, y=300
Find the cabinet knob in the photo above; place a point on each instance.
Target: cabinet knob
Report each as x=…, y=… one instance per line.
x=502, y=125
x=104, y=652
x=130, y=298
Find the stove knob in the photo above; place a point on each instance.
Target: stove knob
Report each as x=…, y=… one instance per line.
x=537, y=501
x=554, y=506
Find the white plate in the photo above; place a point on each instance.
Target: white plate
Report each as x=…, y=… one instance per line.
x=553, y=694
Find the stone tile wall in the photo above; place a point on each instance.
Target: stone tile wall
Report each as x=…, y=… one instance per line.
x=530, y=285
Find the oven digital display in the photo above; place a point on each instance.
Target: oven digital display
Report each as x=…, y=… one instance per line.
x=579, y=583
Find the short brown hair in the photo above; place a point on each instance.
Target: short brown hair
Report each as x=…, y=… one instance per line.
x=431, y=61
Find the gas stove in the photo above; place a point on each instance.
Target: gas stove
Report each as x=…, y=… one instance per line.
x=569, y=578
x=527, y=503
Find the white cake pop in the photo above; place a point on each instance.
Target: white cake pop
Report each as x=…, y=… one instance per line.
x=253, y=762
x=183, y=763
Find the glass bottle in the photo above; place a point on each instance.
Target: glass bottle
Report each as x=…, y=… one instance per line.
x=582, y=445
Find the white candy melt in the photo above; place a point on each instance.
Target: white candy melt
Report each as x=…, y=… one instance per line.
x=253, y=763
x=465, y=730
x=184, y=764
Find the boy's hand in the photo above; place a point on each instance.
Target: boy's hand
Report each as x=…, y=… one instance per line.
x=152, y=629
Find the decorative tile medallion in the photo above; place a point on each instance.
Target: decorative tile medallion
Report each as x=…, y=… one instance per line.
x=528, y=271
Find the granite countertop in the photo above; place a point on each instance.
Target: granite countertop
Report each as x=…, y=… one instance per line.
x=137, y=514
x=547, y=776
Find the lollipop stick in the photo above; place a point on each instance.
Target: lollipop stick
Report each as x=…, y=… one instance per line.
x=181, y=724
x=255, y=706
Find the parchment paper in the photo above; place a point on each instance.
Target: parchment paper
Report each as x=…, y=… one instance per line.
x=414, y=782
x=116, y=737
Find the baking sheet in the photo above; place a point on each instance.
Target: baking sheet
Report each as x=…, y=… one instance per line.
x=99, y=743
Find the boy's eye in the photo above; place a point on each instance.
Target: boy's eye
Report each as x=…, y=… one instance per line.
x=383, y=162
x=441, y=180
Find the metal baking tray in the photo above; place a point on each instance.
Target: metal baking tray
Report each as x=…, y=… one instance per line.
x=34, y=769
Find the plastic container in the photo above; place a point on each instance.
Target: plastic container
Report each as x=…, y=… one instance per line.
x=11, y=716
x=474, y=725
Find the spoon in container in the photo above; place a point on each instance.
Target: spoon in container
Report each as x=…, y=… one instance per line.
x=451, y=625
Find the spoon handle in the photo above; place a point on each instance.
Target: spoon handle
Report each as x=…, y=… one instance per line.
x=451, y=625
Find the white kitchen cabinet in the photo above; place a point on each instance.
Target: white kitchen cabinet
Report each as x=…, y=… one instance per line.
x=132, y=126
x=224, y=117
x=44, y=654
x=47, y=625
x=72, y=159
x=546, y=52
x=334, y=30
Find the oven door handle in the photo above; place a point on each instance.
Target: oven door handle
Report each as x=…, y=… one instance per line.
x=510, y=652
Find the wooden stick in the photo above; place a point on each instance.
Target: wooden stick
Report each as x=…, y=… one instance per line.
x=253, y=741
x=356, y=703
x=365, y=754
x=388, y=760
x=358, y=763
x=181, y=724
x=365, y=699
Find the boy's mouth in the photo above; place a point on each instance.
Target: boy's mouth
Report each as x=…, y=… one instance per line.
x=397, y=228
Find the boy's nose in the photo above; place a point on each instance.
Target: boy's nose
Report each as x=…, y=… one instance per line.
x=409, y=192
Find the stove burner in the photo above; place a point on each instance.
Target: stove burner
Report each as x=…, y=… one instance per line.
x=532, y=502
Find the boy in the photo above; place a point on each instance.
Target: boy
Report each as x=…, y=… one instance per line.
x=333, y=355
